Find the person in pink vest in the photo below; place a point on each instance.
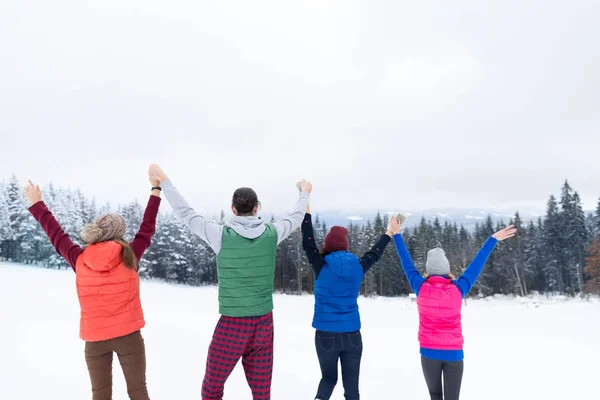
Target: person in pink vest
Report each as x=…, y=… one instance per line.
x=439, y=300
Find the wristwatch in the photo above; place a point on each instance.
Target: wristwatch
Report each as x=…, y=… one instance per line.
x=156, y=188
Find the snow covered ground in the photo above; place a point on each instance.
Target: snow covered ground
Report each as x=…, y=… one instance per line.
x=514, y=350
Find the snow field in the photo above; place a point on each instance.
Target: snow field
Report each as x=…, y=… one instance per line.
x=513, y=349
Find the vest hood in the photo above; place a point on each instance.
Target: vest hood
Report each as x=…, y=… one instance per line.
x=102, y=256
x=248, y=227
x=342, y=263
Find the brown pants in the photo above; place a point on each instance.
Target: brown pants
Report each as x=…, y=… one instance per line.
x=132, y=355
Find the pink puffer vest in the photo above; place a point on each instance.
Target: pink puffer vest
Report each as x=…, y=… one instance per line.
x=439, y=303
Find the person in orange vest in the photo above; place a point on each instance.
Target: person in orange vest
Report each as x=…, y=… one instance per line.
x=108, y=287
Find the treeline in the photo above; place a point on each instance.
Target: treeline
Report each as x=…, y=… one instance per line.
x=559, y=253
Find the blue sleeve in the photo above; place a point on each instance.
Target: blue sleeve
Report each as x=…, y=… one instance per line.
x=467, y=280
x=414, y=277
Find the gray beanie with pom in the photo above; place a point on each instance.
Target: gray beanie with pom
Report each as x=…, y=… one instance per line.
x=104, y=228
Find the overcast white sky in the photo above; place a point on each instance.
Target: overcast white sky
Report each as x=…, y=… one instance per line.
x=382, y=104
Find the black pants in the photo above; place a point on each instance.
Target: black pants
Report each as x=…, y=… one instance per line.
x=346, y=347
x=452, y=373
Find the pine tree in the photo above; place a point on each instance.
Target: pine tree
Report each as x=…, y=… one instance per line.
x=87, y=208
x=517, y=246
x=179, y=269
x=204, y=264
x=500, y=270
x=535, y=256
x=553, y=234
x=567, y=219
x=487, y=281
x=132, y=214
x=590, y=224
x=72, y=220
x=446, y=238
x=5, y=231
x=424, y=241
x=463, y=249
x=303, y=269
x=285, y=267
x=48, y=255
x=17, y=215
x=451, y=245
x=33, y=244
x=373, y=280
x=437, y=233
x=358, y=240
x=156, y=257
x=578, y=239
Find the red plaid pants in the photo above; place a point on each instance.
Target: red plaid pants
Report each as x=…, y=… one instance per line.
x=250, y=338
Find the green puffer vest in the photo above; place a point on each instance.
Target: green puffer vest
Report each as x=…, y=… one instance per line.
x=246, y=271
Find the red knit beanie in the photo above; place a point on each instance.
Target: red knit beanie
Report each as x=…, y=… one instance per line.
x=336, y=239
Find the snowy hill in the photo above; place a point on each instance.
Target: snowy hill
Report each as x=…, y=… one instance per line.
x=522, y=350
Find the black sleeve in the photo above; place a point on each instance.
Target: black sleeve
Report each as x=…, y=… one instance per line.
x=310, y=246
x=373, y=255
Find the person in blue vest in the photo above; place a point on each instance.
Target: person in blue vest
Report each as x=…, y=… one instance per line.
x=338, y=276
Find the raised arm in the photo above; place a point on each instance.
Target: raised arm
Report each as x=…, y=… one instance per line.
x=208, y=231
x=469, y=277
x=414, y=277
x=289, y=224
x=143, y=238
x=61, y=242
x=376, y=252
x=309, y=244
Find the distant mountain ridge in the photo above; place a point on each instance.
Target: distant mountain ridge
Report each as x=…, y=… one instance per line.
x=466, y=217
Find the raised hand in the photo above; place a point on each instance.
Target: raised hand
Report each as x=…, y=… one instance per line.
x=394, y=226
x=305, y=186
x=33, y=193
x=505, y=233
x=154, y=180
x=156, y=174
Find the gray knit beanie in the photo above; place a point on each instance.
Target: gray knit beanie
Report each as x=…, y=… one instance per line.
x=437, y=263
x=104, y=228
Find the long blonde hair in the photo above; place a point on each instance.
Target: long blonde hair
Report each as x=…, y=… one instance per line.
x=127, y=255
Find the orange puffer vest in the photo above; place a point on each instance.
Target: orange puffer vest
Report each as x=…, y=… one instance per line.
x=109, y=294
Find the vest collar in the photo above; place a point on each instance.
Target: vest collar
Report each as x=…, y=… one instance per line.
x=439, y=279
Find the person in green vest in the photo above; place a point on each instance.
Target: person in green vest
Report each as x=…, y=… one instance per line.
x=245, y=247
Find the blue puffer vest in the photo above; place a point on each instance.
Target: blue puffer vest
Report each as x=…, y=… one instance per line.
x=336, y=293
